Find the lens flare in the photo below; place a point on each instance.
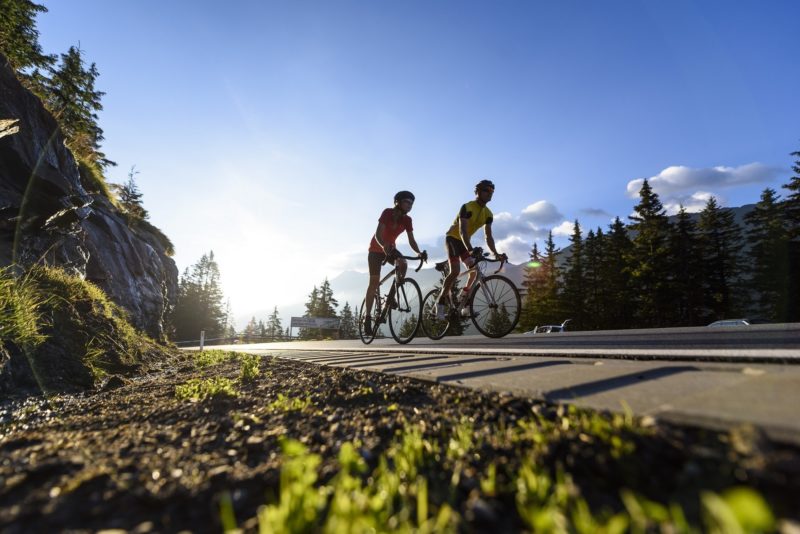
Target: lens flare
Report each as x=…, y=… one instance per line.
x=534, y=264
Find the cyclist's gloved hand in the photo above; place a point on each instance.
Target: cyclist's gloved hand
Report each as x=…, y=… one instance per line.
x=424, y=255
x=502, y=256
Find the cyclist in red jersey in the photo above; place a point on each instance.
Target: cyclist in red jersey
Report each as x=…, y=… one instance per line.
x=392, y=222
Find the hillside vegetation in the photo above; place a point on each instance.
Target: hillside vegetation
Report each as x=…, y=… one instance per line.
x=62, y=333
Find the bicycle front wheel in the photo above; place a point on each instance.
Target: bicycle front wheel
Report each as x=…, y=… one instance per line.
x=367, y=334
x=495, y=306
x=405, y=310
x=434, y=328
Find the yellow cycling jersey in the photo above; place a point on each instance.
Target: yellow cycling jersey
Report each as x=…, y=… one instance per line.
x=476, y=216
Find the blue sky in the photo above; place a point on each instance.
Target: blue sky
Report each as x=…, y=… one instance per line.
x=274, y=133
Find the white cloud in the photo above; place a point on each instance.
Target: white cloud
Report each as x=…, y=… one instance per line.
x=517, y=249
x=692, y=203
x=692, y=187
x=515, y=235
x=505, y=224
x=541, y=213
x=564, y=229
x=679, y=179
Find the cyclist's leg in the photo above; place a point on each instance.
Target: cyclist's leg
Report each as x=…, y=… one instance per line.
x=455, y=248
x=374, y=260
x=401, y=265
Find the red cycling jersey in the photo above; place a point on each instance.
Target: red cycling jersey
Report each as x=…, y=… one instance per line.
x=391, y=229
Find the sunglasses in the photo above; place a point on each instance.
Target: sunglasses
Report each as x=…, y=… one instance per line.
x=487, y=190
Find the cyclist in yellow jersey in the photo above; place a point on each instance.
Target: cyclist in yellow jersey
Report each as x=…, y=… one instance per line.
x=471, y=217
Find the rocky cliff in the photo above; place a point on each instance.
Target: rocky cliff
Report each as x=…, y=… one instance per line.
x=49, y=215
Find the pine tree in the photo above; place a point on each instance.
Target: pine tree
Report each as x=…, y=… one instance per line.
x=550, y=301
x=228, y=329
x=720, y=243
x=130, y=198
x=274, y=329
x=534, y=283
x=327, y=304
x=648, y=261
x=791, y=209
x=791, y=204
x=347, y=325
x=687, y=269
x=311, y=309
x=408, y=326
x=19, y=42
x=615, y=276
x=199, y=306
x=320, y=304
x=574, y=293
x=769, y=274
x=594, y=302
x=542, y=298
x=250, y=331
x=499, y=320
x=73, y=100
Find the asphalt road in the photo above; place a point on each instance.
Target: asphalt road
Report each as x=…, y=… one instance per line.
x=777, y=343
x=720, y=378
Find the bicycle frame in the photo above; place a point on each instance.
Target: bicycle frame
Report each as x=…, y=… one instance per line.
x=480, y=275
x=396, y=283
x=402, y=297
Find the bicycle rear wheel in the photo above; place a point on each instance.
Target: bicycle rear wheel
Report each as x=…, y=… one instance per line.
x=367, y=336
x=495, y=306
x=405, y=310
x=434, y=328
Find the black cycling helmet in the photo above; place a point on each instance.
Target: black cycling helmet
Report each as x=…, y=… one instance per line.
x=483, y=184
x=402, y=195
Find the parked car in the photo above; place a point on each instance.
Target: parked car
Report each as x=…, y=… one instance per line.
x=549, y=328
x=732, y=322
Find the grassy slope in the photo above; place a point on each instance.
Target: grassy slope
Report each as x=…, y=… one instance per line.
x=69, y=332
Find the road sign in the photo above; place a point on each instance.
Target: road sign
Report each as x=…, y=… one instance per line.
x=326, y=323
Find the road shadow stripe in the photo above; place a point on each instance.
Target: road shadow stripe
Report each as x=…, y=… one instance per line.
x=501, y=370
x=386, y=357
x=616, y=382
x=378, y=361
x=452, y=363
x=331, y=358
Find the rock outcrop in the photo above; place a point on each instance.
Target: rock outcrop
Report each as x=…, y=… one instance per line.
x=48, y=216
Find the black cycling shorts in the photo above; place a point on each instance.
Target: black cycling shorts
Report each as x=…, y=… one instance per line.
x=375, y=260
x=456, y=248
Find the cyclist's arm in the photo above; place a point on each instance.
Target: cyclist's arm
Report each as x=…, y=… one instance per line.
x=490, y=242
x=463, y=227
x=487, y=229
x=413, y=242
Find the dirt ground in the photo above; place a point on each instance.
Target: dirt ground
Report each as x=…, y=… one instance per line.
x=133, y=456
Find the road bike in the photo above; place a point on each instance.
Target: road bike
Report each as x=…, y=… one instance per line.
x=493, y=304
x=401, y=308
